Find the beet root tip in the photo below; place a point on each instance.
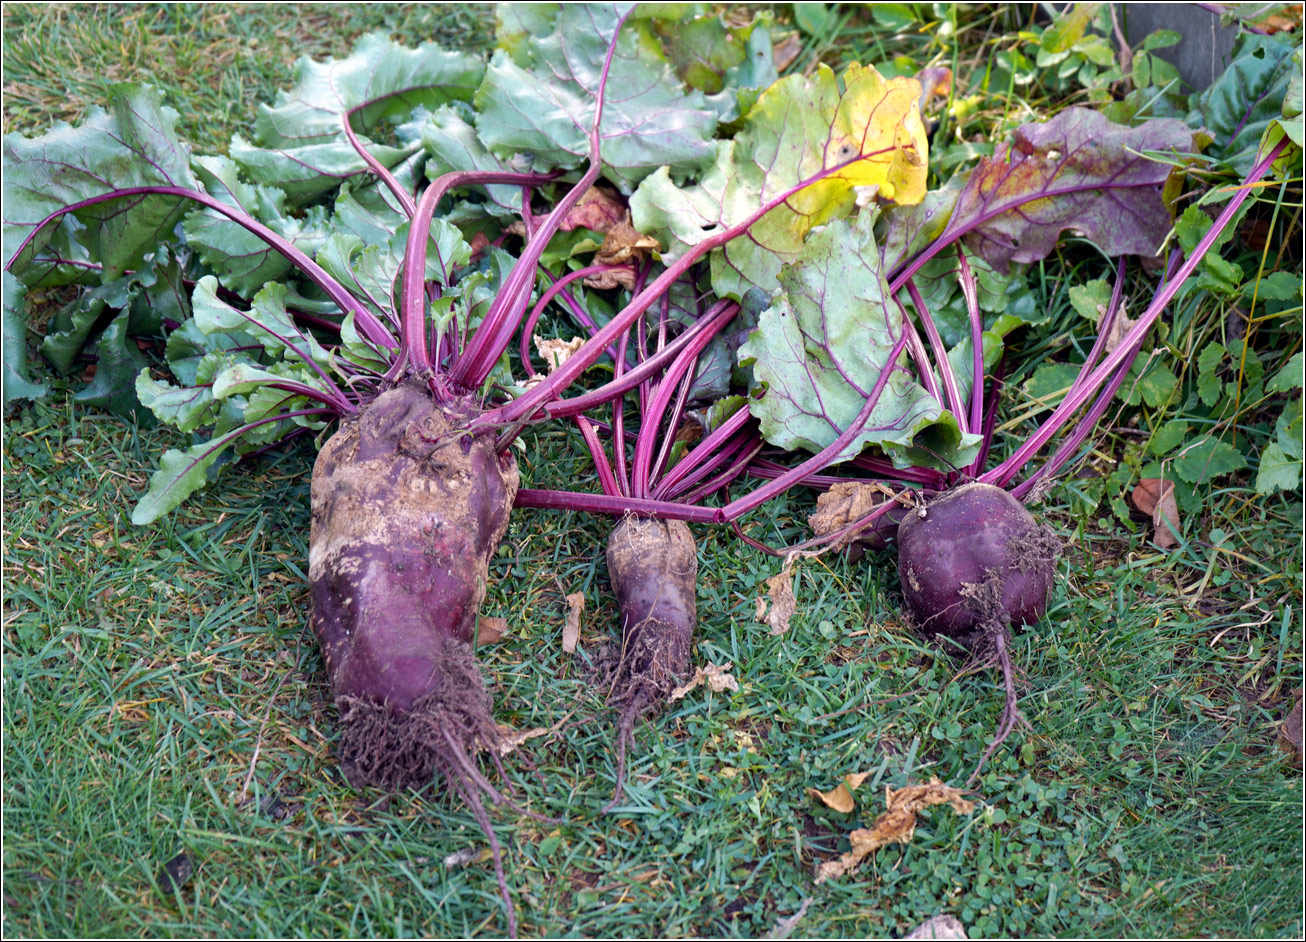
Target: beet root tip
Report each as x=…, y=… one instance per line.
x=401, y=749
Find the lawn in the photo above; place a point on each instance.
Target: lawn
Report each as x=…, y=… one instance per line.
x=168, y=731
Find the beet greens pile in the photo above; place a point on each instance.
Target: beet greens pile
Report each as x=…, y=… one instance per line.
x=763, y=288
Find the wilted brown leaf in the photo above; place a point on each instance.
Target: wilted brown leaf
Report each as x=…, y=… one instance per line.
x=1290, y=738
x=855, y=779
x=936, y=82
x=717, y=677
x=623, y=245
x=571, y=627
x=840, y=798
x=490, y=629
x=1155, y=497
x=598, y=209
x=786, y=51
x=1280, y=18
x=895, y=826
x=690, y=431
x=1119, y=327
x=555, y=351
x=480, y=242
x=616, y=278
x=780, y=592
x=844, y=504
x=510, y=739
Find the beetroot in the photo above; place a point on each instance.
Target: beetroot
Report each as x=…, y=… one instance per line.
x=975, y=559
x=407, y=509
x=405, y=516
x=653, y=565
x=973, y=564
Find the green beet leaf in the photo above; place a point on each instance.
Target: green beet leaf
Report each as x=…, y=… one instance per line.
x=180, y=474
x=1239, y=106
x=300, y=144
x=133, y=145
x=17, y=383
x=539, y=99
x=241, y=259
x=820, y=348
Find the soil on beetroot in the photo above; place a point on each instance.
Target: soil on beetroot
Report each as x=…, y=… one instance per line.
x=406, y=512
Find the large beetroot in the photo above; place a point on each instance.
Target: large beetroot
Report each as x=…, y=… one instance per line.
x=975, y=559
x=406, y=512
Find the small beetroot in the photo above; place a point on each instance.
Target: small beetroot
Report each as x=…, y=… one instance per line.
x=972, y=563
x=975, y=558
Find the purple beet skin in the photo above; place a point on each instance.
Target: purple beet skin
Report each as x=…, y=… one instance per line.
x=977, y=559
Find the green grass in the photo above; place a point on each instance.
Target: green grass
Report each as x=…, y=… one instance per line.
x=162, y=694
x=216, y=61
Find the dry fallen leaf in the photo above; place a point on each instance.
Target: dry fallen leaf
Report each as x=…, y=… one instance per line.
x=780, y=592
x=895, y=826
x=942, y=926
x=490, y=629
x=480, y=242
x=571, y=627
x=555, y=351
x=1286, y=17
x=616, y=278
x=1155, y=497
x=786, y=51
x=1290, y=738
x=936, y=83
x=845, y=503
x=510, y=739
x=624, y=245
x=598, y=209
x=1119, y=327
x=717, y=677
x=840, y=798
x=690, y=431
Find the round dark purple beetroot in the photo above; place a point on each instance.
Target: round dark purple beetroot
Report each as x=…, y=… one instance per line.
x=406, y=512
x=977, y=559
